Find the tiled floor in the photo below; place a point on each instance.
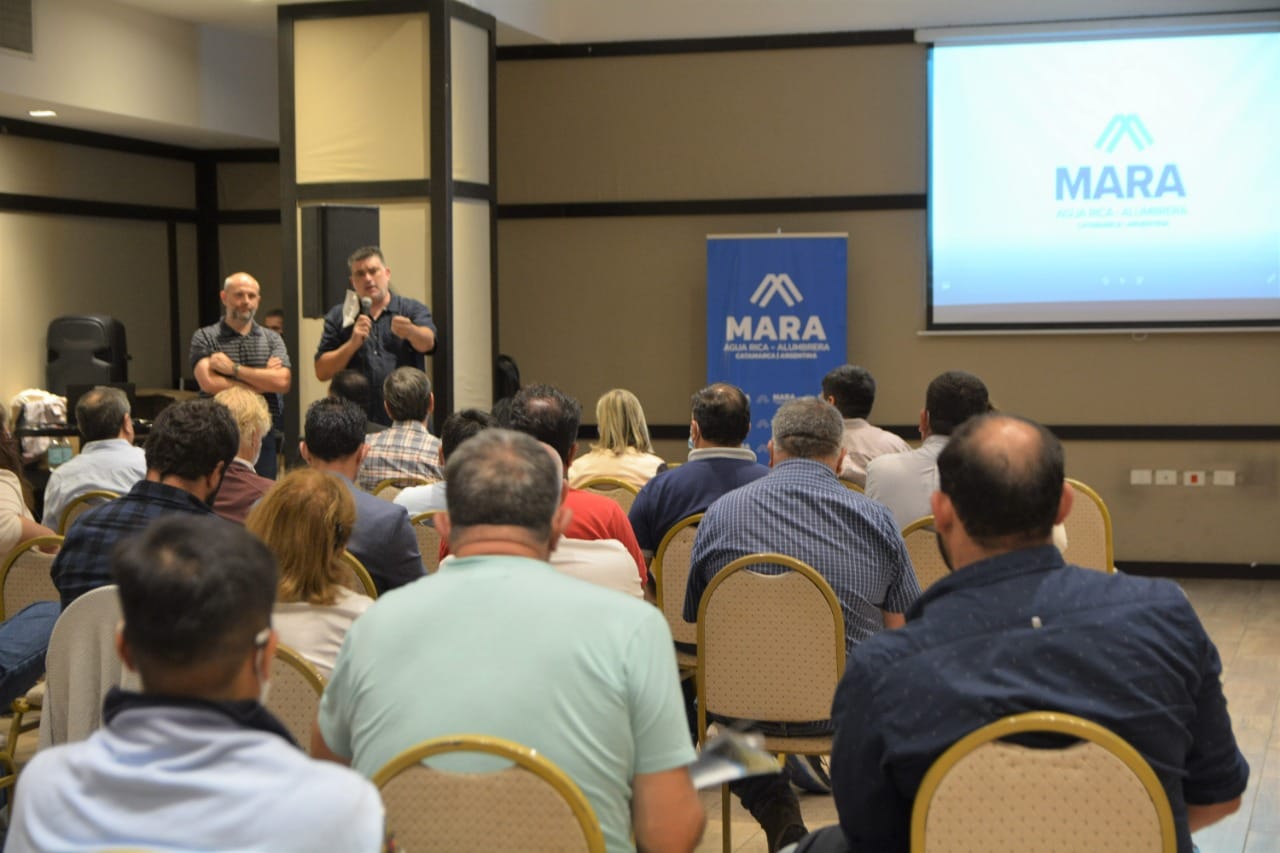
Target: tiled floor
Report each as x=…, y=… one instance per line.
x=1243, y=618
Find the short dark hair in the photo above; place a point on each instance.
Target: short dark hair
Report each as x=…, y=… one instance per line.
x=274, y=312
x=190, y=438
x=101, y=412
x=722, y=413
x=954, y=397
x=506, y=377
x=461, y=426
x=364, y=252
x=853, y=388
x=407, y=393
x=194, y=591
x=351, y=385
x=1002, y=489
x=503, y=477
x=808, y=428
x=547, y=414
x=334, y=428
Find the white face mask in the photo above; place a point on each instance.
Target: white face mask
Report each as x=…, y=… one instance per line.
x=260, y=665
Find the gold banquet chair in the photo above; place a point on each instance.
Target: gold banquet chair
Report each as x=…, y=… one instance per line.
x=748, y=670
x=852, y=486
x=354, y=576
x=670, y=570
x=428, y=540
x=294, y=698
x=81, y=504
x=926, y=556
x=985, y=794
x=619, y=491
x=530, y=805
x=391, y=487
x=24, y=576
x=1088, y=526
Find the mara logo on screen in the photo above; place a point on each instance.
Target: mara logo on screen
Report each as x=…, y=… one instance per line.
x=1130, y=180
x=1123, y=127
x=785, y=327
x=776, y=284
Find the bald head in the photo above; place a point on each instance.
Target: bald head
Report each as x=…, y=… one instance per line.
x=1004, y=478
x=240, y=296
x=242, y=279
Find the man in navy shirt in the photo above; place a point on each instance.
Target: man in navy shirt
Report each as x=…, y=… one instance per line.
x=395, y=331
x=1015, y=629
x=718, y=463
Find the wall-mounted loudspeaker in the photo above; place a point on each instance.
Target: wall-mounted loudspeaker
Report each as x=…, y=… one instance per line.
x=330, y=233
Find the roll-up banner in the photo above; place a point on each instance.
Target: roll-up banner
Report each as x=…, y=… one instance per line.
x=776, y=309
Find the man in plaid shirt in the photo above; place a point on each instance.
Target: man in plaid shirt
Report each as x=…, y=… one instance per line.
x=188, y=451
x=406, y=450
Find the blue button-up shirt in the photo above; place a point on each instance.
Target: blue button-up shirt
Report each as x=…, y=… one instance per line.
x=112, y=464
x=801, y=510
x=1025, y=632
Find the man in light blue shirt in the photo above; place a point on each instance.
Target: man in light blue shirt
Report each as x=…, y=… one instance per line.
x=499, y=643
x=108, y=460
x=193, y=761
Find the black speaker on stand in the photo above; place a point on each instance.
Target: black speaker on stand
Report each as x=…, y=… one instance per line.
x=85, y=349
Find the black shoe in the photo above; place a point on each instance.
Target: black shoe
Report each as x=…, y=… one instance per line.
x=782, y=822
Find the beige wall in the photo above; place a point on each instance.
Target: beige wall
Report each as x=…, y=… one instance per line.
x=591, y=303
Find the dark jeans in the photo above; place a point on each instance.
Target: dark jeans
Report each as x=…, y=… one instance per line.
x=24, y=639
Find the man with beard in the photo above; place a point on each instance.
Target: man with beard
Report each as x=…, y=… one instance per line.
x=237, y=352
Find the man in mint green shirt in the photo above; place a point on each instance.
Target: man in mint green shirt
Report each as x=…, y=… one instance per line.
x=499, y=643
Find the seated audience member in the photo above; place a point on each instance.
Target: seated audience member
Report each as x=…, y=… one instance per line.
x=624, y=451
x=242, y=486
x=306, y=521
x=354, y=386
x=193, y=761
x=382, y=539
x=601, y=700
x=1016, y=629
x=456, y=429
x=24, y=636
x=188, y=450
x=406, y=449
x=904, y=481
x=107, y=460
x=803, y=511
x=718, y=463
x=852, y=390
x=552, y=417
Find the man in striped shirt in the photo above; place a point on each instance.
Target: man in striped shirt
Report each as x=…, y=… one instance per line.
x=803, y=511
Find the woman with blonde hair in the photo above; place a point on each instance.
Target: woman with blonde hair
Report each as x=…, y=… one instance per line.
x=306, y=520
x=624, y=451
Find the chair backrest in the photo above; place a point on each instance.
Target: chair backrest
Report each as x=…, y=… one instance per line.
x=25, y=578
x=81, y=666
x=294, y=698
x=619, y=491
x=1089, y=530
x=984, y=794
x=852, y=486
x=531, y=805
x=922, y=548
x=428, y=539
x=748, y=668
x=354, y=576
x=81, y=504
x=390, y=488
x=670, y=570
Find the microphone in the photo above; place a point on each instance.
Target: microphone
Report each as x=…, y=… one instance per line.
x=366, y=304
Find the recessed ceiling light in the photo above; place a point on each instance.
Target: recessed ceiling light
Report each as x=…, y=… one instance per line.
x=41, y=113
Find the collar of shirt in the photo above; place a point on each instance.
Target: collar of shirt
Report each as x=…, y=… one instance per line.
x=722, y=453
x=247, y=713
x=807, y=468
x=225, y=331
x=410, y=426
x=162, y=492
x=1038, y=558
x=242, y=461
x=104, y=444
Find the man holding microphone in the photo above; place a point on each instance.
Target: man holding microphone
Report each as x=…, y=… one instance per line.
x=389, y=331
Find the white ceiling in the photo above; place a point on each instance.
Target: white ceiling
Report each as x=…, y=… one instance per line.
x=235, y=46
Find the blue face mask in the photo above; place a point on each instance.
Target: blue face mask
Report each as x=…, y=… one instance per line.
x=691, y=442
